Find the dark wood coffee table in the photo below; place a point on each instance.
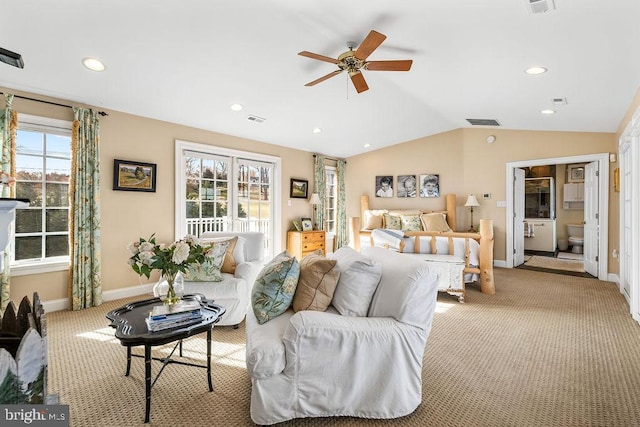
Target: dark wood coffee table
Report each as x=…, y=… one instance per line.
x=132, y=331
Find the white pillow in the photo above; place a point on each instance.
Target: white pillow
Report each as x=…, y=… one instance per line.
x=359, y=278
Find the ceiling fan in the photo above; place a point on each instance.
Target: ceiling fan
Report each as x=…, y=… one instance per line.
x=354, y=61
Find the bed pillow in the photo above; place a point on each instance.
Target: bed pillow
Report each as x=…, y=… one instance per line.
x=274, y=287
x=359, y=278
x=411, y=222
x=374, y=219
x=392, y=222
x=209, y=269
x=435, y=221
x=317, y=283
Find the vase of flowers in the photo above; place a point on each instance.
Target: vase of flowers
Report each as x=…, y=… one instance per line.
x=170, y=260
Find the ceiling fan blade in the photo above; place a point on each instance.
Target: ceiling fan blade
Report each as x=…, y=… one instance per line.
x=359, y=82
x=323, y=78
x=401, y=65
x=369, y=44
x=318, y=57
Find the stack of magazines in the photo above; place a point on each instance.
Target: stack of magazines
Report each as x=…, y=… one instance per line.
x=182, y=313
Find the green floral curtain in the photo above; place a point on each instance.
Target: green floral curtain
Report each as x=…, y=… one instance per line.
x=8, y=125
x=342, y=229
x=85, y=277
x=319, y=178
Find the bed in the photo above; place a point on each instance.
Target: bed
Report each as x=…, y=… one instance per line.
x=474, y=248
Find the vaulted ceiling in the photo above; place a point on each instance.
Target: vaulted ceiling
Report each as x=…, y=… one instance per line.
x=186, y=62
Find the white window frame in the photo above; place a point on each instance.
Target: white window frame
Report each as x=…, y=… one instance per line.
x=50, y=126
x=180, y=191
x=327, y=199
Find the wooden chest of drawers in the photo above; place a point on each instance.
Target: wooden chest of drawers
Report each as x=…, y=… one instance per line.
x=302, y=243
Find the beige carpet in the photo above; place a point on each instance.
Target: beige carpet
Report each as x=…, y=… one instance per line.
x=555, y=263
x=546, y=350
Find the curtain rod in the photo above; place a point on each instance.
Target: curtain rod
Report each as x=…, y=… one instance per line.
x=330, y=158
x=102, y=113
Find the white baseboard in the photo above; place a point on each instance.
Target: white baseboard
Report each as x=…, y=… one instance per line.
x=500, y=263
x=613, y=277
x=64, y=304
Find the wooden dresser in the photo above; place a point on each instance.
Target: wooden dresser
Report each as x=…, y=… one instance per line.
x=302, y=243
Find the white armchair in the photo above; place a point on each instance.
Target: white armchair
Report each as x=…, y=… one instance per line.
x=318, y=364
x=234, y=291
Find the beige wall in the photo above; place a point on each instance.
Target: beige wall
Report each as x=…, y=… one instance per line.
x=468, y=164
x=127, y=215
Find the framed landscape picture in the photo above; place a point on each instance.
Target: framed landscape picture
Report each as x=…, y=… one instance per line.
x=299, y=188
x=131, y=175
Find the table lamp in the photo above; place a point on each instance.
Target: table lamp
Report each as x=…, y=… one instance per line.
x=315, y=201
x=471, y=203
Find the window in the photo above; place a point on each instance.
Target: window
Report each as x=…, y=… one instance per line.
x=219, y=189
x=330, y=198
x=43, y=170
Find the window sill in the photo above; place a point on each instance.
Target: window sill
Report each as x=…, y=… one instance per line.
x=39, y=268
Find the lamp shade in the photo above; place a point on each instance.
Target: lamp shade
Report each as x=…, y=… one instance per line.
x=315, y=199
x=472, y=201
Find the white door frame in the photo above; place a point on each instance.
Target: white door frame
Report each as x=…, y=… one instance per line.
x=603, y=202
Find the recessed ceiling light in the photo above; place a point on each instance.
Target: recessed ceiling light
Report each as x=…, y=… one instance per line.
x=535, y=70
x=94, y=64
x=236, y=107
x=548, y=111
x=367, y=145
x=316, y=130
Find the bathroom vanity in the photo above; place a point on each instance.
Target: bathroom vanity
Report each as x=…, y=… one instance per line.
x=544, y=235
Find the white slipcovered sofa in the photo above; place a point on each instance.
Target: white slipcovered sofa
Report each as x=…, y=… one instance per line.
x=234, y=291
x=318, y=364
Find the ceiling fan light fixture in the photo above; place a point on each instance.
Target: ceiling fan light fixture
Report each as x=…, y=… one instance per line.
x=94, y=64
x=534, y=71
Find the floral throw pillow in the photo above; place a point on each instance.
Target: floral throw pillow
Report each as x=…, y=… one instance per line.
x=411, y=222
x=392, y=222
x=209, y=269
x=274, y=287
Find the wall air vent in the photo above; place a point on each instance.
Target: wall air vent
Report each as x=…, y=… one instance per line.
x=539, y=6
x=483, y=122
x=255, y=119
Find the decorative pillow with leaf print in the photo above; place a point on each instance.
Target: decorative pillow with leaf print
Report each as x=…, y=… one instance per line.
x=209, y=269
x=274, y=287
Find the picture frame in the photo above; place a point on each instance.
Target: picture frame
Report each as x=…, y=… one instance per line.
x=299, y=188
x=407, y=186
x=429, y=185
x=384, y=186
x=297, y=226
x=131, y=175
x=575, y=173
x=307, y=224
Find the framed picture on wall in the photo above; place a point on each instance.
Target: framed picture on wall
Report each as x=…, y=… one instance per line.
x=130, y=175
x=575, y=173
x=430, y=185
x=384, y=186
x=299, y=188
x=407, y=186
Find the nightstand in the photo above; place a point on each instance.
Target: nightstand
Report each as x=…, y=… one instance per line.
x=302, y=243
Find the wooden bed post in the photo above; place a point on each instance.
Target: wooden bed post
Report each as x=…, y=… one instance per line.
x=354, y=232
x=487, y=285
x=451, y=211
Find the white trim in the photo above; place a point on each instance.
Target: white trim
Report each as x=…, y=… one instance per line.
x=132, y=291
x=499, y=263
x=181, y=146
x=39, y=268
x=603, y=202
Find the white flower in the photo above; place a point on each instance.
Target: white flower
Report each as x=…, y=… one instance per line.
x=146, y=257
x=191, y=240
x=146, y=247
x=134, y=247
x=131, y=261
x=181, y=253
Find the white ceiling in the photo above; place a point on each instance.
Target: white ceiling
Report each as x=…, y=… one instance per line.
x=187, y=61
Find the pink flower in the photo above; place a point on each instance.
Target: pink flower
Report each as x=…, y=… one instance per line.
x=7, y=179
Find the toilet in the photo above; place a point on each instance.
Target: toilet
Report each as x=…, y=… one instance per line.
x=576, y=237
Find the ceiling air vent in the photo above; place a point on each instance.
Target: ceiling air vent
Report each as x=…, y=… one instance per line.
x=483, y=122
x=255, y=119
x=539, y=6
x=559, y=101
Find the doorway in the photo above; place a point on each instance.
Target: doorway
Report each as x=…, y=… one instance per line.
x=599, y=198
